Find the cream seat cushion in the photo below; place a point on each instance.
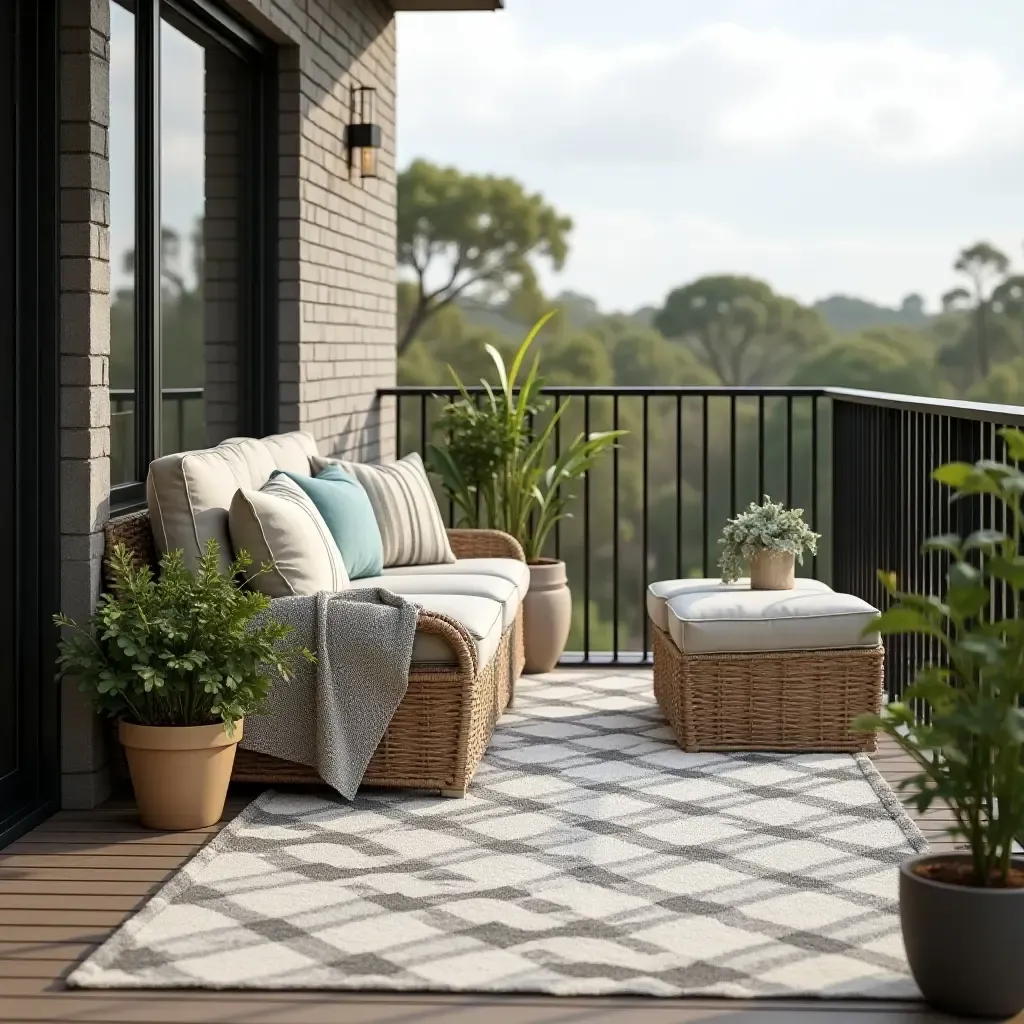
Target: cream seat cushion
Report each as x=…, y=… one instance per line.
x=481, y=616
x=189, y=494
x=510, y=569
x=659, y=594
x=280, y=524
x=494, y=588
x=735, y=621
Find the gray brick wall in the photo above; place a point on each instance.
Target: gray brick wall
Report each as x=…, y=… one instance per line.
x=222, y=394
x=338, y=241
x=336, y=276
x=85, y=347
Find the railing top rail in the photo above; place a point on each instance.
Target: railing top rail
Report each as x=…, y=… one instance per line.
x=1010, y=415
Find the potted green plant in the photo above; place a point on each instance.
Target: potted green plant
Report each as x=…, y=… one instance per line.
x=178, y=660
x=963, y=913
x=768, y=539
x=500, y=474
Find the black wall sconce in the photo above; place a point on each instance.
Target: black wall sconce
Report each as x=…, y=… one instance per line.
x=363, y=133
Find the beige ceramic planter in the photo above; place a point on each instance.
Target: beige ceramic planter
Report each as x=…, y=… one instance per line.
x=180, y=774
x=773, y=570
x=547, y=615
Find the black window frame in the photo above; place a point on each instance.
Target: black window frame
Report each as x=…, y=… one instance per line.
x=257, y=350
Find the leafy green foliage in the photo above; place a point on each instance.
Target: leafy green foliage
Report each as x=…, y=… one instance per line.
x=484, y=231
x=494, y=464
x=767, y=527
x=740, y=327
x=970, y=744
x=180, y=648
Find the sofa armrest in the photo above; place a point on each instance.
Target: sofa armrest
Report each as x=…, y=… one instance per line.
x=485, y=544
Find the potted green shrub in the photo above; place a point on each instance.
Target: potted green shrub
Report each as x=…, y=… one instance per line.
x=963, y=913
x=178, y=660
x=767, y=539
x=500, y=474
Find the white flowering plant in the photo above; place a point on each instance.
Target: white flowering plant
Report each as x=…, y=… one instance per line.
x=766, y=527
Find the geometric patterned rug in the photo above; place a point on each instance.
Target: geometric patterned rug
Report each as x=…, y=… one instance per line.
x=590, y=857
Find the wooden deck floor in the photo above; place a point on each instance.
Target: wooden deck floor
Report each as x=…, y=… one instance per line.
x=70, y=883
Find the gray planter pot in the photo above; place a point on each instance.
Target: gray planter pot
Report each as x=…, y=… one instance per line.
x=964, y=944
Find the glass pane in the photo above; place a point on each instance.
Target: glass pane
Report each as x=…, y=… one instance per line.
x=122, y=243
x=201, y=100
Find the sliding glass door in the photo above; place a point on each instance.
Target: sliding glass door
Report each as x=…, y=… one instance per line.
x=192, y=213
x=29, y=455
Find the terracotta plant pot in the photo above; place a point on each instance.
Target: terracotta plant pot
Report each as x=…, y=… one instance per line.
x=547, y=615
x=963, y=943
x=773, y=570
x=180, y=774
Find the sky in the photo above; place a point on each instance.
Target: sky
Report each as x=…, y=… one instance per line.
x=826, y=147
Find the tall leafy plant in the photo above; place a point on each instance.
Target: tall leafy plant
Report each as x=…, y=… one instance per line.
x=181, y=648
x=493, y=465
x=969, y=745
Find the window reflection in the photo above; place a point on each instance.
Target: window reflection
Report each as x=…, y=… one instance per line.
x=122, y=241
x=200, y=184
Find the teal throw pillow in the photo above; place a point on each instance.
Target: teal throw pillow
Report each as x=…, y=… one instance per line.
x=346, y=509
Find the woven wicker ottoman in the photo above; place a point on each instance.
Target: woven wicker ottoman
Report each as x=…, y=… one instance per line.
x=736, y=669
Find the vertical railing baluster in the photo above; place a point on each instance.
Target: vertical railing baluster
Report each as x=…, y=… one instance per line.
x=615, y=534
x=398, y=426
x=586, y=539
x=644, y=528
x=423, y=426
x=732, y=456
x=558, y=452
x=814, y=479
x=704, y=500
x=760, y=447
x=679, y=486
x=789, y=451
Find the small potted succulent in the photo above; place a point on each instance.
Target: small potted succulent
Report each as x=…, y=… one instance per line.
x=179, y=661
x=963, y=913
x=769, y=539
x=500, y=475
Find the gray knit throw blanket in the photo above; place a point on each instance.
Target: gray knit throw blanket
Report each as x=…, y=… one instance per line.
x=332, y=715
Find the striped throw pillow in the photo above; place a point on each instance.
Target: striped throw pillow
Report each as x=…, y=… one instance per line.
x=411, y=527
x=280, y=524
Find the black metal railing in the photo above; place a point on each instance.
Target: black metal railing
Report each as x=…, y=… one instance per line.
x=183, y=420
x=859, y=464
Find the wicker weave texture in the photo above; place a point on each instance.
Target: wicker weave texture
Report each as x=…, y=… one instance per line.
x=778, y=701
x=439, y=733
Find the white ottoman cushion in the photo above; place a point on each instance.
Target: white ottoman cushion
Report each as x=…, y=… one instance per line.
x=728, y=620
x=659, y=594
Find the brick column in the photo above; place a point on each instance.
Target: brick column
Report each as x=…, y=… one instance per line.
x=85, y=348
x=221, y=256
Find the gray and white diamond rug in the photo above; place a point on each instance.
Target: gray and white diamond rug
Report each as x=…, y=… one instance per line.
x=590, y=857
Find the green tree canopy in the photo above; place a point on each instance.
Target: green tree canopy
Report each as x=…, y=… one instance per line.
x=739, y=327
x=471, y=232
x=890, y=359
x=985, y=268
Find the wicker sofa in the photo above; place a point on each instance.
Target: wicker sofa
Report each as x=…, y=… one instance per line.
x=468, y=652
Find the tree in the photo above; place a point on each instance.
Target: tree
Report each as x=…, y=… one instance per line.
x=985, y=267
x=740, y=327
x=893, y=359
x=476, y=231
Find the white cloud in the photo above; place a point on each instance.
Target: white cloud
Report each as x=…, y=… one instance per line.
x=652, y=254
x=718, y=87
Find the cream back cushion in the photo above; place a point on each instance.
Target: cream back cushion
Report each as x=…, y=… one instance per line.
x=279, y=524
x=189, y=494
x=412, y=529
